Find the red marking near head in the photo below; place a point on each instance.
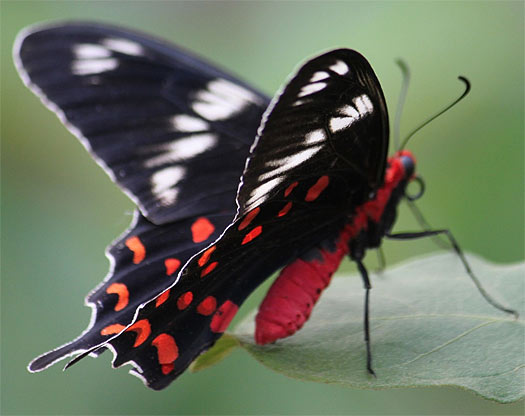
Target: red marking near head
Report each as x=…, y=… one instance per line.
x=184, y=300
x=209, y=268
x=252, y=234
x=112, y=329
x=123, y=295
x=143, y=330
x=207, y=306
x=167, y=352
x=163, y=297
x=201, y=229
x=138, y=249
x=171, y=266
x=290, y=188
x=285, y=210
x=314, y=192
x=223, y=316
x=206, y=256
x=248, y=218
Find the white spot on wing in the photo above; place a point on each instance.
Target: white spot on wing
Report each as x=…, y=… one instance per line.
x=261, y=192
x=124, y=46
x=363, y=106
x=298, y=102
x=340, y=67
x=319, y=75
x=221, y=100
x=93, y=66
x=163, y=184
x=182, y=149
x=186, y=123
x=315, y=137
x=90, y=51
x=311, y=88
x=288, y=163
x=349, y=111
x=340, y=123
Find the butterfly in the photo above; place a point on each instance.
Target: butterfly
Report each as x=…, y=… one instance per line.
x=229, y=185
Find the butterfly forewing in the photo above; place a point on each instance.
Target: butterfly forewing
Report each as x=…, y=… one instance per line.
x=161, y=122
x=330, y=118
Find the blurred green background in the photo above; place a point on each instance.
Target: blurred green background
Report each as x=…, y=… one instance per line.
x=59, y=210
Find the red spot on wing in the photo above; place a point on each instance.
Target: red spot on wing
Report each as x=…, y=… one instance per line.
x=167, y=352
x=248, y=218
x=285, y=210
x=206, y=256
x=163, y=297
x=290, y=188
x=121, y=290
x=252, y=234
x=112, y=329
x=223, y=316
x=314, y=192
x=184, y=300
x=201, y=230
x=171, y=266
x=138, y=249
x=143, y=330
x=167, y=368
x=209, y=269
x=207, y=306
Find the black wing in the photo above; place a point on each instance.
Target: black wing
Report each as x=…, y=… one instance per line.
x=324, y=148
x=331, y=118
x=169, y=129
x=147, y=112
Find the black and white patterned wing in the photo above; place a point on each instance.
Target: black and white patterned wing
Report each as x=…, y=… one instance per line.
x=160, y=122
x=330, y=119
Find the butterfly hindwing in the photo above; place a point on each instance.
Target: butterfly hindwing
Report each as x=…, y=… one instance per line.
x=275, y=224
x=145, y=261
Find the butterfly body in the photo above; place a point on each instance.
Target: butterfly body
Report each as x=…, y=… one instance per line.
x=292, y=296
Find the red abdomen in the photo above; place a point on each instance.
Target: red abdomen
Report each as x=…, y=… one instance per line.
x=291, y=298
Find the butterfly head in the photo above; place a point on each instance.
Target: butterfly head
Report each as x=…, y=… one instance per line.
x=407, y=165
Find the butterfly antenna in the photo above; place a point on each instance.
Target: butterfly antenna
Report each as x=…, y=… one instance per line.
x=467, y=89
x=405, y=71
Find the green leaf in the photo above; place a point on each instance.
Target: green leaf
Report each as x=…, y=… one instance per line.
x=429, y=327
x=222, y=348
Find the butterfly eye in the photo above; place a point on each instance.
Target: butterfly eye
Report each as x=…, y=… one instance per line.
x=420, y=184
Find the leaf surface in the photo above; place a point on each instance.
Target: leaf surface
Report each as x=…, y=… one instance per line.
x=429, y=327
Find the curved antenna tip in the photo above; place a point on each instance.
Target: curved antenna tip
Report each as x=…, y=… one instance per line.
x=401, y=63
x=467, y=89
x=466, y=82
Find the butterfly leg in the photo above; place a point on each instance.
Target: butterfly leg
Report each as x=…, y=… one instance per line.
x=368, y=286
x=459, y=252
x=425, y=225
x=381, y=262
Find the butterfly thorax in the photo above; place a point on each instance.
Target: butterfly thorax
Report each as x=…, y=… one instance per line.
x=375, y=218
